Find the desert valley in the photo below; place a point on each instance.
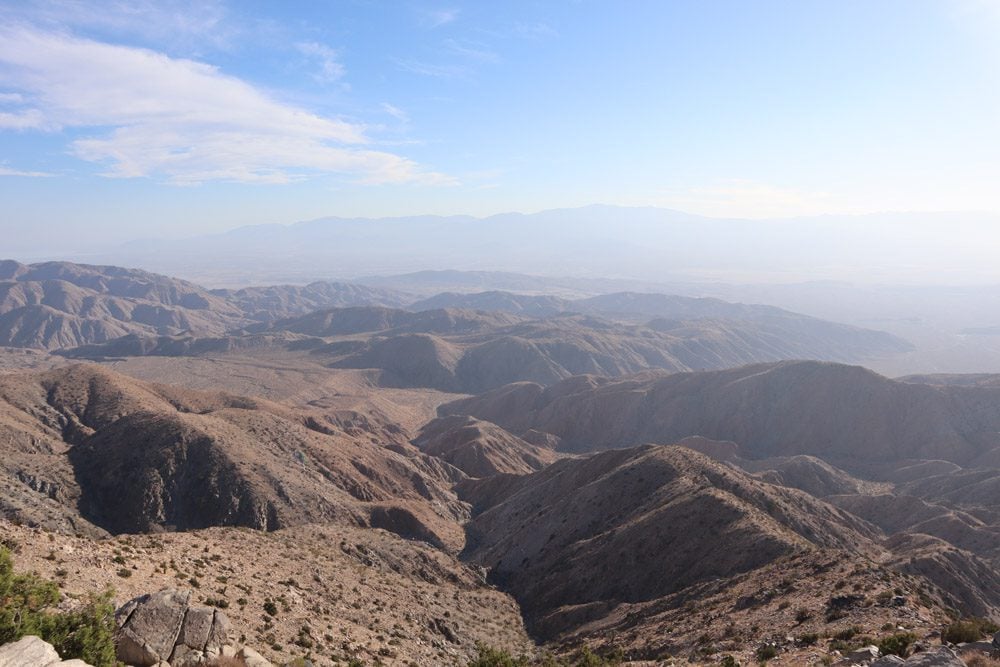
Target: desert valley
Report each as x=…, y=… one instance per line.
x=353, y=473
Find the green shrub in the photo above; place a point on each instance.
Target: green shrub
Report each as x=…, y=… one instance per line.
x=766, y=652
x=968, y=630
x=86, y=633
x=487, y=656
x=897, y=644
x=729, y=661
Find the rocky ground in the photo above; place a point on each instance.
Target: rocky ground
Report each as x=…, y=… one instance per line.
x=328, y=592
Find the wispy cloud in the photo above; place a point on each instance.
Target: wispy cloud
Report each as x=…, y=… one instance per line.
x=471, y=50
x=330, y=67
x=396, y=112
x=178, y=119
x=188, y=25
x=441, y=71
x=7, y=171
x=536, y=30
x=436, y=18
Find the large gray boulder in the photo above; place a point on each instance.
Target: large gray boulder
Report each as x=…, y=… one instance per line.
x=939, y=656
x=164, y=627
x=148, y=627
x=31, y=651
x=888, y=661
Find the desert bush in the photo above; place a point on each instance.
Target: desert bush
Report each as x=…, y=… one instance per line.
x=968, y=630
x=26, y=602
x=897, y=644
x=766, y=652
x=487, y=656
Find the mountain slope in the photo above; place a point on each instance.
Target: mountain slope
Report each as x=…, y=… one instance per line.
x=627, y=526
x=849, y=416
x=135, y=457
x=59, y=305
x=481, y=449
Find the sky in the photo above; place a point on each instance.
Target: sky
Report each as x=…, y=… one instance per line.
x=122, y=120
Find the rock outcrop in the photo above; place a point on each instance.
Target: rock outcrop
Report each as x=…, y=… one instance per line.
x=165, y=627
x=31, y=651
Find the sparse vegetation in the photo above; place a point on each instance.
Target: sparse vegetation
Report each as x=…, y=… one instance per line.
x=897, y=644
x=26, y=603
x=766, y=652
x=968, y=630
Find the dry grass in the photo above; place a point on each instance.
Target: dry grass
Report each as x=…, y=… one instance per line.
x=979, y=660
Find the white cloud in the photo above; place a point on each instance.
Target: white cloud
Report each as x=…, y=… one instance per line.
x=396, y=112
x=439, y=17
x=7, y=171
x=177, y=119
x=189, y=25
x=471, y=50
x=430, y=69
x=330, y=67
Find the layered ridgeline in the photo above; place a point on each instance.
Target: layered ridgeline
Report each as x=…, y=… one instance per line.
x=57, y=305
x=845, y=414
x=923, y=461
x=621, y=547
x=60, y=306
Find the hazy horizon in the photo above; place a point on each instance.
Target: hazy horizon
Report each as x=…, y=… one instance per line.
x=175, y=119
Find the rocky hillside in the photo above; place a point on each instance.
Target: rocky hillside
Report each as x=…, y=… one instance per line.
x=847, y=415
x=335, y=593
x=629, y=508
x=88, y=450
x=58, y=305
x=481, y=449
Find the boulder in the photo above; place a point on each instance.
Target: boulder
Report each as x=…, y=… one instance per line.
x=251, y=658
x=888, y=661
x=27, y=651
x=149, y=625
x=996, y=641
x=163, y=627
x=34, y=652
x=939, y=656
x=863, y=655
x=985, y=647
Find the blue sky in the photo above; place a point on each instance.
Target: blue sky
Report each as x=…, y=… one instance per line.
x=136, y=119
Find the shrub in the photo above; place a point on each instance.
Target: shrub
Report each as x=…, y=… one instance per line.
x=729, y=661
x=897, y=644
x=487, y=656
x=967, y=630
x=86, y=633
x=766, y=652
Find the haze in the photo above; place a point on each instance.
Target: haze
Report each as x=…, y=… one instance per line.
x=172, y=119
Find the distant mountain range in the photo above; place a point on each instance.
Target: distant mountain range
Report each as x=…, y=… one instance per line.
x=650, y=244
